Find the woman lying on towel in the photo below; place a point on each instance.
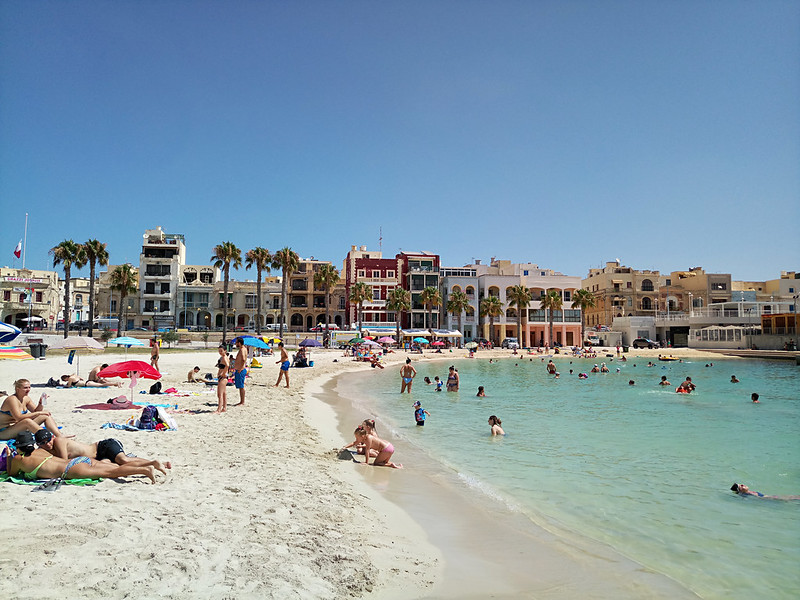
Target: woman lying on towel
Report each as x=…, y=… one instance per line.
x=75, y=381
x=19, y=413
x=35, y=463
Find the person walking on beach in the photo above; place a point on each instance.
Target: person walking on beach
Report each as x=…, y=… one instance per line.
x=284, y=363
x=222, y=381
x=407, y=373
x=154, y=353
x=240, y=369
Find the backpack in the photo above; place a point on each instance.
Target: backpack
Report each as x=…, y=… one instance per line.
x=155, y=388
x=149, y=418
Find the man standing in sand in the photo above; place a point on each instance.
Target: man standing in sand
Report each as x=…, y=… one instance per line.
x=407, y=373
x=154, y=353
x=284, y=363
x=240, y=369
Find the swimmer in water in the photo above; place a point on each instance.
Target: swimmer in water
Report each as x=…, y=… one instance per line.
x=664, y=381
x=481, y=393
x=743, y=490
x=754, y=398
x=495, y=423
x=733, y=379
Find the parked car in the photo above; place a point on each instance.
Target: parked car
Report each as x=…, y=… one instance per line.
x=321, y=327
x=592, y=340
x=644, y=343
x=510, y=343
x=272, y=327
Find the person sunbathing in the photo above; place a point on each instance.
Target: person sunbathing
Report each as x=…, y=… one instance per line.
x=73, y=381
x=105, y=450
x=36, y=463
x=19, y=413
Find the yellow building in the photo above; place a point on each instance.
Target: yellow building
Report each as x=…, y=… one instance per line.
x=621, y=291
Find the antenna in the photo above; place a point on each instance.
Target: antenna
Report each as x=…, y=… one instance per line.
x=380, y=239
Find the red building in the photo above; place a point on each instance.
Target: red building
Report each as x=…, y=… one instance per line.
x=381, y=274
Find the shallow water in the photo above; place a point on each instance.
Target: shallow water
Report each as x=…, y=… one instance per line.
x=639, y=468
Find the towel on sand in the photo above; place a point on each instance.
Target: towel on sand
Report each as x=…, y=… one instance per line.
x=6, y=477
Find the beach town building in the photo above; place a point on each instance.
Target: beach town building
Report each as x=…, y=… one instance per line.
x=417, y=271
x=306, y=302
x=107, y=304
x=465, y=280
x=163, y=255
x=30, y=294
x=194, y=295
x=381, y=274
x=79, y=295
x=242, y=303
x=621, y=291
x=499, y=276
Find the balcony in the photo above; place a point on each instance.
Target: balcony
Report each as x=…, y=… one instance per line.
x=374, y=303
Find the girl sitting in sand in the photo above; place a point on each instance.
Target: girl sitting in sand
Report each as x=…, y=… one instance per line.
x=365, y=434
x=359, y=445
x=495, y=423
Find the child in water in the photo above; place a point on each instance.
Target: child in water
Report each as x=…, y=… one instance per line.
x=438, y=383
x=481, y=393
x=495, y=423
x=420, y=413
x=367, y=435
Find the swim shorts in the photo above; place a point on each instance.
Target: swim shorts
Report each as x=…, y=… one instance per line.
x=238, y=378
x=285, y=365
x=108, y=449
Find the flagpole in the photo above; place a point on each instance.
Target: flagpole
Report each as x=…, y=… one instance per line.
x=25, y=243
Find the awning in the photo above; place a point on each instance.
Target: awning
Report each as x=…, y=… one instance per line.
x=447, y=334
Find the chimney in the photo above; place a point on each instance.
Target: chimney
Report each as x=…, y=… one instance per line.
x=363, y=248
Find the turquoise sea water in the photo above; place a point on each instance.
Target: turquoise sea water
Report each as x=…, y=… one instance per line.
x=639, y=468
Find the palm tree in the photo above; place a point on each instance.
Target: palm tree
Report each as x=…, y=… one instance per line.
x=326, y=279
x=551, y=302
x=360, y=293
x=457, y=304
x=262, y=259
x=123, y=280
x=430, y=297
x=68, y=253
x=287, y=260
x=491, y=307
x=399, y=302
x=582, y=299
x=96, y=254
x=226, y=255
x=519, y=296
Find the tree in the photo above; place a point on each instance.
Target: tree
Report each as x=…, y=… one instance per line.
x=551, y=302
x=287, y=260
x=430, y=297
x=491, y=307
x=457, y=304
x=123, y=280
x=360, y=293
x=96, y=254
x=170, y=337
x=225, y=256
x=67, y=254
x=519, y=296
x=399, y=302
x=262, y=259
x=326, y=279
x=583, y=299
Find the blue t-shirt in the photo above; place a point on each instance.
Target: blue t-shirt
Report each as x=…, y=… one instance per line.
x=419, y=414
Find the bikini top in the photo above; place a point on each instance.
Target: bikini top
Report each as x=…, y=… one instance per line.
x=32, y=475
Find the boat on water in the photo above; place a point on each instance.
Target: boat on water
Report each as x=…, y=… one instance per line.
x=667, y=358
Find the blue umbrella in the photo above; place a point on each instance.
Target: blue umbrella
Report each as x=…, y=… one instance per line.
x=248, y=340
x=310, y=342
x=8, y=332
x=127, y=342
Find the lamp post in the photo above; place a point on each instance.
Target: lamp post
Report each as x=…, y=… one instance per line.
x=691, y=305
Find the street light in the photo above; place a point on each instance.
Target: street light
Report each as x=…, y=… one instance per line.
x=691, y=305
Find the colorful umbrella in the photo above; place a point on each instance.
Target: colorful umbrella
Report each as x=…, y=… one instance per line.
x=249, y=340
x=8, y=332
x=386, y=340
x=421, y=340
x=370, y=343
x=14, y=354
x=438, y=343
x=471, y=345
x=310, y=342
x=132, y=369
x=127, y=342
x=356, y=340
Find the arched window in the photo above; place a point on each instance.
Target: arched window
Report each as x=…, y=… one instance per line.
x=297, y=320
x=647, y=285
x=647, y=304
x=456, y=288
x=511, y=313
x=470, y=291
x=494, y=291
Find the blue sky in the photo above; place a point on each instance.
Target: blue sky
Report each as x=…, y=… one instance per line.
x=565, y=133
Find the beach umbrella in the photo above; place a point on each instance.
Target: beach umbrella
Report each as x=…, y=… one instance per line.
x=255, y=342
x=132, y=369
x=127, y=342
x=470, y=345
x=386, y=340
x=356, y=340
x=310, y=342
x=370, y=343
x=420, y=340
x=8, y=332
x=438, y=343
x=79, y=344
x=14, y=354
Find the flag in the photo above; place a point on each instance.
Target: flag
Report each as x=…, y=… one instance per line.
x=18, y=249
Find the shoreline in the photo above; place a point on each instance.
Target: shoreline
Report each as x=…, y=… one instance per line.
x=256, y=504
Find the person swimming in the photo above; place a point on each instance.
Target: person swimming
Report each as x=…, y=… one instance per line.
x=495, y=423
x=743, y=490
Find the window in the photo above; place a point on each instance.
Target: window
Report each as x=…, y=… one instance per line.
x=164, y=306
x=113, y=307
x=207, y=277
x=6, y=295
x=38, y=296
x=647, y=285
x=669, y=282
x=567, y=296
x=390, y=274
x=362, y=273
x=251, y=301
x=149, y=306
x=376, y=274
x=150, y=288
x=341, y=303
x=719, y=286
x=376, y=293
x=525, y=272
x=629, y=285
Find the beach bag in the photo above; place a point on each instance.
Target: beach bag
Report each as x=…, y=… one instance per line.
x=149, y=418
x=166, y=418
x=155, y=388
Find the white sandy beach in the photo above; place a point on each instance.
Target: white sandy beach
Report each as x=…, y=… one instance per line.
x=256, y=505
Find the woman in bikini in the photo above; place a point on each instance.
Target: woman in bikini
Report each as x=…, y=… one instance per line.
x=35, y=463
x=223, y=365
x=495, y=423
x=452, y=380
x=19, y=413
x=365, y=434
